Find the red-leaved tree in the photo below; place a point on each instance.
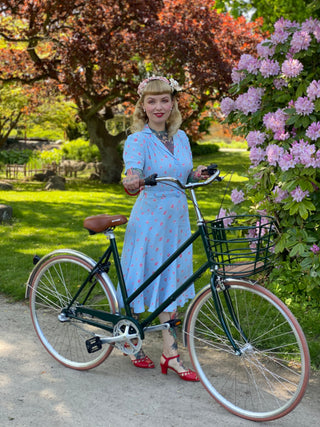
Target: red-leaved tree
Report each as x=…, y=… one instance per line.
x=96, y=52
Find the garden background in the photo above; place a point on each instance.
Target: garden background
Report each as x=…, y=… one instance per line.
x=68, y=77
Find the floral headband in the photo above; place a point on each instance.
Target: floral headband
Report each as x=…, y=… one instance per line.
x=170, y=82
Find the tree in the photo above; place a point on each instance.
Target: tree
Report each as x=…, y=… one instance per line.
x=16, y=101
x=97, y=51
x=271, y=10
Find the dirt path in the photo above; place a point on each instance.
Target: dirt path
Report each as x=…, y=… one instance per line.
x=35, y=390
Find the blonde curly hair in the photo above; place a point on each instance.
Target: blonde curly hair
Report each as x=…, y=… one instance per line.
x=156, y=87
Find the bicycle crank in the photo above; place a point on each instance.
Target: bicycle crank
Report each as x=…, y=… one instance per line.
x=128, y=336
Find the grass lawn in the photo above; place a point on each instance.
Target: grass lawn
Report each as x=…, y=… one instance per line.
x=47, y=220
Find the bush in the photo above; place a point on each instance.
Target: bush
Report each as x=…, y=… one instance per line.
x=15, y=157
x=276, y=104
x=204, y=148
x=49, y=156
x=81, y=150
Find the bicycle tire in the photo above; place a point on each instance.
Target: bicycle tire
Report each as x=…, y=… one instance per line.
x=51, y=289
x=271, y=375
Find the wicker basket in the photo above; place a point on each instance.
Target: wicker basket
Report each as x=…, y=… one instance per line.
x=241, y=245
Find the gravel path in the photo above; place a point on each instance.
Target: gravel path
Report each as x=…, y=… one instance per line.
x=35, y=390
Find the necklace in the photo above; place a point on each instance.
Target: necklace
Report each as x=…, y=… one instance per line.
x=164, y=138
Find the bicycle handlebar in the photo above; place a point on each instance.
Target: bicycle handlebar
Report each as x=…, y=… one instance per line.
x=211, y=169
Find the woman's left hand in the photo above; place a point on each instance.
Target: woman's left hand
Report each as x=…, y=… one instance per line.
x=201, y=172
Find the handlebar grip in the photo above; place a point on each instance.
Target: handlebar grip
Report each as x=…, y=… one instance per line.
x=211, y=169
x=151, y=180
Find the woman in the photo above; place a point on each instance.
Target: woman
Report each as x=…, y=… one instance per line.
x=159, y=221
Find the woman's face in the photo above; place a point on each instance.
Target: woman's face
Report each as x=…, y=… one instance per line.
x=158, y=109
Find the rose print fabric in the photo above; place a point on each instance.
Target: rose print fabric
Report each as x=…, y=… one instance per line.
x=159, y=221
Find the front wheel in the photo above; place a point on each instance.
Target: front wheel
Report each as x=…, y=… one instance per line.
x=53, y=287
x=269, y=378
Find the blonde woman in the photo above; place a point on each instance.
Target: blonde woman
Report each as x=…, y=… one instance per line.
x=159, y=221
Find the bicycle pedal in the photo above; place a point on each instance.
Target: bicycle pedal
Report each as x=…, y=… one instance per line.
x=174, y=322
x=93, y=344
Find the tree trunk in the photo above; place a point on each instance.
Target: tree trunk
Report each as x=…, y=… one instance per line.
x=108, y=147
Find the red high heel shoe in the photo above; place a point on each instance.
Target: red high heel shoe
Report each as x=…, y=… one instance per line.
x=144, y=362
x=186, y=375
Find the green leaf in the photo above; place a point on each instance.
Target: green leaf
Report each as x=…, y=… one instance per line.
x=294, y=209
x=305, y=121
x=317, y=105
x=303, y=211
x=301, y=89
x=292, y=120
x=298, y=249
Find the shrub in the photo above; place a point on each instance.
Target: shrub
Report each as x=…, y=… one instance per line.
x=204, y=148
x=49, y=156
x=275, y=101
x=80, y=149
x=15, y=157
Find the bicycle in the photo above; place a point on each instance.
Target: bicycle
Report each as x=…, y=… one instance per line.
x=244, y=343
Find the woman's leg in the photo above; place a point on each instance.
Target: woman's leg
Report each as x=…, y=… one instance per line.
x=140, y=359
x=170, y=350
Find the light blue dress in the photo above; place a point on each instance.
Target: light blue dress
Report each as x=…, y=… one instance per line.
x=159, y=221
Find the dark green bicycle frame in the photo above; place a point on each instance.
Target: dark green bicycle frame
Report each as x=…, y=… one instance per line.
x=103, y=265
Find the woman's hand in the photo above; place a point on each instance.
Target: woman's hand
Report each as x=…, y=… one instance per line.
x=201, y=172
x=131, y=183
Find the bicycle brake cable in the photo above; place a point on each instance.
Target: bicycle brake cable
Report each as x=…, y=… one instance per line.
x=225, y=191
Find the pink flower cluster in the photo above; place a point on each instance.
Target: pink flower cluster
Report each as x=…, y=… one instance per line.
x=250, y=101
x=274, y=153
x=313, y=91
x=269, y=67
x=275, y=121
x=227, y=218
x=313, y=131
x=255, y=138
x=301, y=152
x=312, y=26
x=291, y=67
x=304, y=106
x=300, y=41
x=315, y=249
x=257, y=155
x=249, y=63
x=298, y=195
x=237, y=196
x=227, y=105
x=279, y=194
x=265, y=49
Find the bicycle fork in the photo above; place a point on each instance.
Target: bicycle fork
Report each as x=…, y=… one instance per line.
x=215, y=282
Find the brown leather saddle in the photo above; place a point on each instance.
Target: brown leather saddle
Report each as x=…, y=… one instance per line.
x=100, y=223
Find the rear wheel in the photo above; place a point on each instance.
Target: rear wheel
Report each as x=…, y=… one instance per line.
x=52, y=288
x=270, y=376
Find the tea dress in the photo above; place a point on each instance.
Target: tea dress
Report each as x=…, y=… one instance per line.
x=159, y=221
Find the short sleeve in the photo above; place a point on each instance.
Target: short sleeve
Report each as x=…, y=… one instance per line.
x=134, y=152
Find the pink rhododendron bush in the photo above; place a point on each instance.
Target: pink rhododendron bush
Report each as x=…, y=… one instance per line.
x=275, y=103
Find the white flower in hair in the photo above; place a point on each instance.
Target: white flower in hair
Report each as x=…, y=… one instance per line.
x=175, y=85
